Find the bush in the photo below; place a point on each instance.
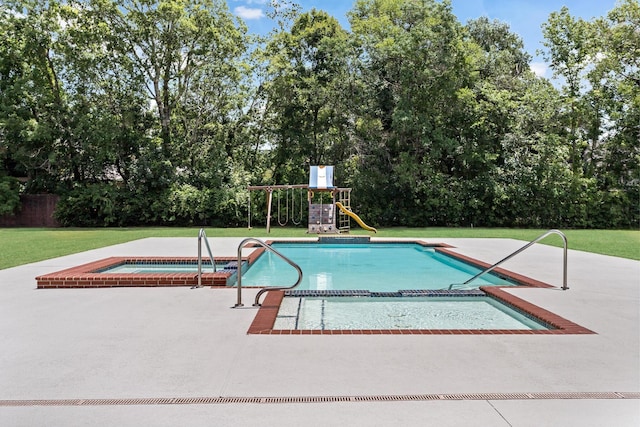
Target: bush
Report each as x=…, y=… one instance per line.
x=9, y=195
x=93, y=205
x=105, y=204
x=187, y=205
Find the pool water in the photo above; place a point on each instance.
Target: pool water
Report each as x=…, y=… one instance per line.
x=376, y=267
x=344, y=313
x=156, y=267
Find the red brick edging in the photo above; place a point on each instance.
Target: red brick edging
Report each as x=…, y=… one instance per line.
x=88, y=275
x=265, y=320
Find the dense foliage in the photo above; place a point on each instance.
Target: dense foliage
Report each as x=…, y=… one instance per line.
x=142, y=112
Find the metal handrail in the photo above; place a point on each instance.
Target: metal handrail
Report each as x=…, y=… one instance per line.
x=263, y=290
x=201, y=235
x=536, y=240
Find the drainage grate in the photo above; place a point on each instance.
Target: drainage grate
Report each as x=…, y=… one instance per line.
x=327, y=293
x=442, y=293
x=395, y=294
x=321, y=399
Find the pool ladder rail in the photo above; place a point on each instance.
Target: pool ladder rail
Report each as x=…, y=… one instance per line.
x=531, y=243
x=263, y=290
x=203, y=236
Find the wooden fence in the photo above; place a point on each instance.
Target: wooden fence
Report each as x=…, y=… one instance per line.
x=37, y=211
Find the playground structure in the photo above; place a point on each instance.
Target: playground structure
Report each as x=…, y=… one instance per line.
x=329, y=206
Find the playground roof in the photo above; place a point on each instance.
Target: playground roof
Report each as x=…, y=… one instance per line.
x=321, y=177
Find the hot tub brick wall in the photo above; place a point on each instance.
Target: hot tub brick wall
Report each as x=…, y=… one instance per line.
x=85, y=276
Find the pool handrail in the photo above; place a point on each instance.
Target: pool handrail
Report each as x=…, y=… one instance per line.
x=201, y=235
x=536, y=240
x=256, y=302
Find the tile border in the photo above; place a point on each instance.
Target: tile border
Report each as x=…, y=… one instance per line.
x=265, y=320
x=89, y=276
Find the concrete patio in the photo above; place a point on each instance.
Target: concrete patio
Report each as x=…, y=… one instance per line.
x=136, y=356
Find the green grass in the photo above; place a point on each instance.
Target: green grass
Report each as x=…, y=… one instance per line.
x=24, y=245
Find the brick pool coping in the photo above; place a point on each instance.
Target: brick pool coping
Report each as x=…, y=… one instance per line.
x=89, y=275
x=265, y=319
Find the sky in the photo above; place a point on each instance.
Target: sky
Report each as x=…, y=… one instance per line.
x=524, y=17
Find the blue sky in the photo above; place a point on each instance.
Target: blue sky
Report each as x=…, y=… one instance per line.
x=523, y=16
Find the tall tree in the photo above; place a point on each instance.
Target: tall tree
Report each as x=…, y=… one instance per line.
x=414, y=69
x=308, y=78
x=567, y=43
x=615, y=87
x=34, y=110
x=169, y=43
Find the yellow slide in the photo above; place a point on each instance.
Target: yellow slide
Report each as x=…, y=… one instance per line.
x=356, y=217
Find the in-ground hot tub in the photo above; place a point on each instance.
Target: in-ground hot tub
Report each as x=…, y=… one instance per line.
x=142, y=272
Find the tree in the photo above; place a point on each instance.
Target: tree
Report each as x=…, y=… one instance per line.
x=615, y=82
x=413, y=124
x=64, y=98
x=567, y=41
x=34, y=110
x=307, y=79
x=161, y=112
x=598, y=61
x=180, y=61
x=172, y=45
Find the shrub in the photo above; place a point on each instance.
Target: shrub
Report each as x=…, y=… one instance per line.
x=9, y=195
x=93, y=205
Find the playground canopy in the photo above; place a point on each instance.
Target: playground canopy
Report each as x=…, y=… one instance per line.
x=321, y=178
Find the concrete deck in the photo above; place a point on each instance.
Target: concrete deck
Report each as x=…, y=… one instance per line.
x=143, y=347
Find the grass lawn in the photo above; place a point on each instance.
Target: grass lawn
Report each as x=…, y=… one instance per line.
x=24, y=245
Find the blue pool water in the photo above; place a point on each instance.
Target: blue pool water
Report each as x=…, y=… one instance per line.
x=340, y=313
x=158, y=267
x=378, y=267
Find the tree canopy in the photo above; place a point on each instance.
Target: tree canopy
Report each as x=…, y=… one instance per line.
x=144, y=112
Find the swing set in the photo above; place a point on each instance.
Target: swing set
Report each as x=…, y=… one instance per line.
x=322, y=215
x=285, y=221
x=285, y=203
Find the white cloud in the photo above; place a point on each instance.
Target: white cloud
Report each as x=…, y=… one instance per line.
x=539, y=68
x=248, y=12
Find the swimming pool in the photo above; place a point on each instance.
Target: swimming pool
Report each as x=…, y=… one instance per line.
x=487, y=311
x=145, y=273
x=375, y=267
x=477, y=312
x=182, y=271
